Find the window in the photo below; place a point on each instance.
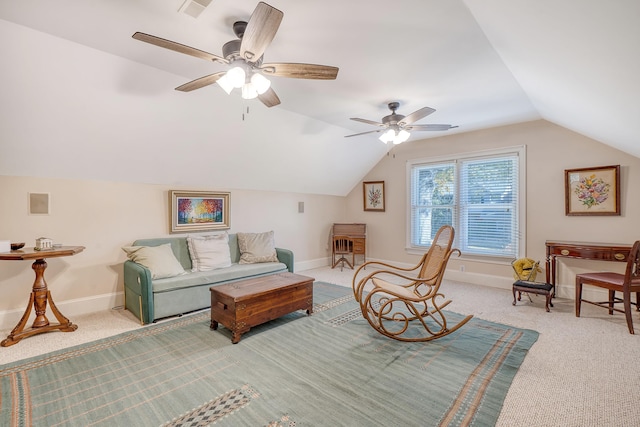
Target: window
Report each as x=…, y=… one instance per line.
x=481, y=195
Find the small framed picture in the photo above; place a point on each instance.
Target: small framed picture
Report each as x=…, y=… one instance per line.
x=373, y=194
x=592, y=191
x=198, y=211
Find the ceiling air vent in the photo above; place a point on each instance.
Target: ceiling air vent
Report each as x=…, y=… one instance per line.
x=194, y=7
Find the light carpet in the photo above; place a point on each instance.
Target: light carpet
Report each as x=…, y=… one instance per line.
x=331, y=368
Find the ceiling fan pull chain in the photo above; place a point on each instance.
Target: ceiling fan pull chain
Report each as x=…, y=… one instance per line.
x=243, y=112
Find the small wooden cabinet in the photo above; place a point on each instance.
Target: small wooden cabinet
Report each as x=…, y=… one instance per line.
x=359, y=246
x=357, y=232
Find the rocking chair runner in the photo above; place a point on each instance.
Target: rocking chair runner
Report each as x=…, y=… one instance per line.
x=407, y=310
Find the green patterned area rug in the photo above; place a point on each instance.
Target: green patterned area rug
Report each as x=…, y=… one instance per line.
x=328, y=369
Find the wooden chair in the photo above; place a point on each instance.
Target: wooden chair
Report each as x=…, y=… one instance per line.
x=626, y=283
x=342, y=248
x=408, y=309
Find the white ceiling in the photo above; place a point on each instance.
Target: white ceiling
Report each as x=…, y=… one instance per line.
x=479, y=63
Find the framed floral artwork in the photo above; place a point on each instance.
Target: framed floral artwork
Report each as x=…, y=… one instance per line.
x=592, y=191
x=373, y=192
x=198, y=211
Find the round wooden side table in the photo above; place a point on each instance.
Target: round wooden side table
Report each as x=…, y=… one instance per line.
x=40, y=295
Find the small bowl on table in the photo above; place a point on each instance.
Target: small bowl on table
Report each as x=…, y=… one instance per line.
x=17, y=246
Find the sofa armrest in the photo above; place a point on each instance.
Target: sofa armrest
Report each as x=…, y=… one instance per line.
x=285, y=256
x=137, y=281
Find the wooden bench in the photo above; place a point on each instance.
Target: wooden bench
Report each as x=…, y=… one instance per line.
x=545, y=289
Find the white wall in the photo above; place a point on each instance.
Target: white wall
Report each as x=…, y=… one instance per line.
x=104, y=216
x=73, y=112
x=550, y=149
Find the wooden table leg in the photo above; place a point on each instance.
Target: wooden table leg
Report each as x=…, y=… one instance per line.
x=39, y=297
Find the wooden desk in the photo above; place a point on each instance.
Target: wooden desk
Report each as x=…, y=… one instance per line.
x=40, y=295
x=582, y=250
x=357, y=232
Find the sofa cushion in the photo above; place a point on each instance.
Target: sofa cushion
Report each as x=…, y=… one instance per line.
x=257, y=247
x=160, y=260
x=178, y=246
x=209, y=252
x=212, y=277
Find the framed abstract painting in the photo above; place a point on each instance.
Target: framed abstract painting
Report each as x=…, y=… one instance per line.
x=373, y=193
x=592, y=191
x=198, y=211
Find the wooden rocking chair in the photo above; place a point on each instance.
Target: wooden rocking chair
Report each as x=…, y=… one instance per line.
x=407, y=310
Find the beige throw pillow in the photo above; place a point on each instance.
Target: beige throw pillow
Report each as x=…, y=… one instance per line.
x=160, y=260
x=209, y=252
x=257, y=247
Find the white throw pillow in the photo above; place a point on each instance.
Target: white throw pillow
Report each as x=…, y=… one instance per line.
x=160, y=260
x=257, y=247
x=209, y=252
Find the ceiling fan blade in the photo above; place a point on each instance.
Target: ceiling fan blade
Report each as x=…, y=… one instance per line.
x=416, y=115
x=269, y=98
x=260, y=31
x=177, y=47
x=300, y=71
x=363, y=133
x=369, y=122
x=201, y=82
x=430, y=127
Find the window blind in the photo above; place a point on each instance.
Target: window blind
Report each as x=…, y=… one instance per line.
x=477, y=195
x=489, y=206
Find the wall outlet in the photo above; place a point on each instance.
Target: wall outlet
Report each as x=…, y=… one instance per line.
x=462, y=268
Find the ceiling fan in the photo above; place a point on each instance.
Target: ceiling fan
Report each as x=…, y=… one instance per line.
x=396, y=127
x=244, y=55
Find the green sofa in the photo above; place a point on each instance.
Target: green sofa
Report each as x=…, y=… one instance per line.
x=152, y=299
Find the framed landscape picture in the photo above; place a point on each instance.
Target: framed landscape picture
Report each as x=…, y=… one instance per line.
x=198, y=210
x=373, y=193
x=592, y=191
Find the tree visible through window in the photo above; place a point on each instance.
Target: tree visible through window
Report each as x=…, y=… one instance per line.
x=433, y=204
x=478, y=196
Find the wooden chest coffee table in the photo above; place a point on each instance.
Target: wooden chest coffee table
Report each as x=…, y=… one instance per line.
x=246, y=303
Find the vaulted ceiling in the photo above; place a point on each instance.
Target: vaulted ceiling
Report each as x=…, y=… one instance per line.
x=109, y=109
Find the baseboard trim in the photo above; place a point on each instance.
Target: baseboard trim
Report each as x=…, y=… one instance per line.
x=81, y=306
x=70, y=309
x=480, y=279
x=311, y=264
x=562, y=291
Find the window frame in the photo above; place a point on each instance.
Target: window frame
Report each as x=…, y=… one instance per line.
x=519, y=151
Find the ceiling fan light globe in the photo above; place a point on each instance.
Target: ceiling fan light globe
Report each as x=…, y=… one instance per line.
x=249, y=91
x=388, y=136
x=236, y=76
x=224, y=83
x=402, y=136
x=261, y=83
